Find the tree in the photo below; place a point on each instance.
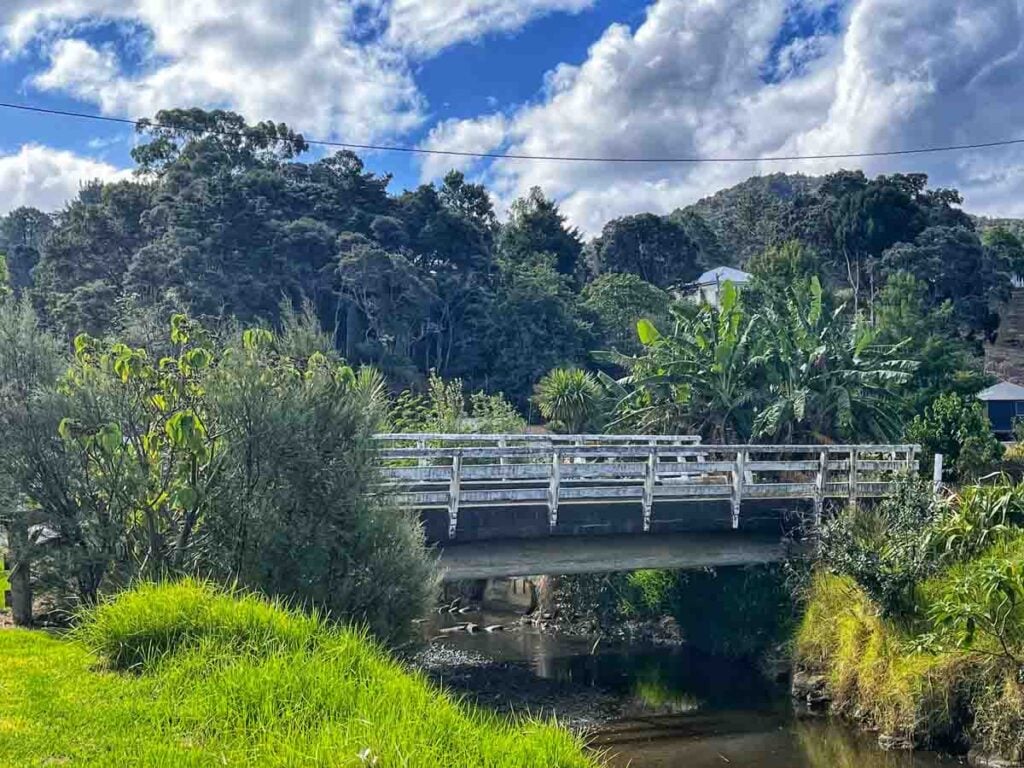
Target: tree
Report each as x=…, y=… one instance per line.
x=615, y=302
x=536, y=226
x=570, y=399
x=942, y=258
x=22, y=234
x=946, y=362
x=297, y=513
x=185, y=136
x=534, y=327
x=655, y=248
x=30, y=363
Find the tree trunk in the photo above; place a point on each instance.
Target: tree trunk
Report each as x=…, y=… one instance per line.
x=21, y=593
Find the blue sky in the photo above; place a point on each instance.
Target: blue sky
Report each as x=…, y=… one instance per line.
x=708, y=78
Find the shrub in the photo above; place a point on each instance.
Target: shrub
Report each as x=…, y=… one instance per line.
x=249, y=461
x=570, y=399
x=959, y=429
x=885, y=547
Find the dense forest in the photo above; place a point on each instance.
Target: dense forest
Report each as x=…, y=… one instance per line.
x=224, y=221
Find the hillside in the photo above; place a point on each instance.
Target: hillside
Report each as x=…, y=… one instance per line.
x=1005, y=358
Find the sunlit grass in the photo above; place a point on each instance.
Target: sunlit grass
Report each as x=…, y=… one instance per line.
x=181, y=675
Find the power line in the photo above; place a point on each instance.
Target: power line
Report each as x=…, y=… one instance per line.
x=554, y=158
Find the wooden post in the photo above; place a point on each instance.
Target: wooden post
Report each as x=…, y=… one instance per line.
x=937, y=474
x=911, y=461
x=453, y=494
x=820, y=486
x=649, y=478
x=853, y=477
x=502, y=443
x=737, y=486
x=422, y=446
x=556, y=479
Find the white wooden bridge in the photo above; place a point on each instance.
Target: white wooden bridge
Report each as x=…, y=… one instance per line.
x=492, y=499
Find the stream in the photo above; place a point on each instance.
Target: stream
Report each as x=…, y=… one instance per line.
x=647, y=706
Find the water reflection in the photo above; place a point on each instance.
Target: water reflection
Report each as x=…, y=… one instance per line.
x=685, y=709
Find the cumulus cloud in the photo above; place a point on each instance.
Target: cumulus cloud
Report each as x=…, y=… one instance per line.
x=46, y=178
x=482, y=134
x=295, y=60
x=719, y=78
x=425, y=27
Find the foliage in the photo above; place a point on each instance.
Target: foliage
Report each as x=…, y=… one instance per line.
x=903, y=314
x=788, y=372
x=977, y=516
x=827, y=377
x=874, y=673
x=700, y=378
x=981, y=606
x=248, y=460
x=886, y=547
x=615, y=302
x=536, y=226
x=570, y=399
x=656, y=249
x=294, y=513
x=959, y=429
x=240, y=681
x=444, y=409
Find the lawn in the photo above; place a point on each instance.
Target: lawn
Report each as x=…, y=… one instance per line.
x=182, y=675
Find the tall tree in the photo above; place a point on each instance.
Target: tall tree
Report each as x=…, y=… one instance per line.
x=535, y=226
x=655, y=248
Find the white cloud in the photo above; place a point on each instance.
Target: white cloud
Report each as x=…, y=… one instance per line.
x=691, y=82
x=292, y=60
x=425, y=27
x=482, y=134
x=47, y=178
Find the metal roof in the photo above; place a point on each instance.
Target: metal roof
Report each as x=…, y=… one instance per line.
x=721, y=274
x=1004, y=390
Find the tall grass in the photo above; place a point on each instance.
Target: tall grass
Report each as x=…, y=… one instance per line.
x=183, y=675
x=896, y=678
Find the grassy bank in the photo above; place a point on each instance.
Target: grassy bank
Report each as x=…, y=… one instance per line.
x=180, y=675
x=906, y=679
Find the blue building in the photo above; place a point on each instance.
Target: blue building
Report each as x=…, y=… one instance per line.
x=1005, y=403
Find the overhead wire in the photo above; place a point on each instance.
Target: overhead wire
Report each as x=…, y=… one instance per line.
x=548, y=158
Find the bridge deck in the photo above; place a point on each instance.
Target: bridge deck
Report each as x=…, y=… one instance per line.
x=501, y=486
x=564, y=555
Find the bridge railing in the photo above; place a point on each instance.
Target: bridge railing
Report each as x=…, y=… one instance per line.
x=454, y=472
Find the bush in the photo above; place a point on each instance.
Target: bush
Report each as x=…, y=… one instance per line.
x=295, y=512
x=885, y=547
x=249, y=461
x=959, y=429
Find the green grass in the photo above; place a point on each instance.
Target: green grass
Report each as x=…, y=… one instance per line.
x=181, y=675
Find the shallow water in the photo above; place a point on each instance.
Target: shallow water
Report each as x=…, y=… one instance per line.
x=682, y=708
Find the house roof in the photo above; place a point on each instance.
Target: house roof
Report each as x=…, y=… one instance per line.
x=1004, y=390
x=721, y=274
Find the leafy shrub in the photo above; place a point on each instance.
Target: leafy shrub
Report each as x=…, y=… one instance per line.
x=885, y=547
x=959, y=429
x=247, y=461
